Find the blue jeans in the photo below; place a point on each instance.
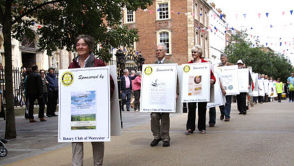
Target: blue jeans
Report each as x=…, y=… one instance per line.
x=227, y=108
x=126, y=98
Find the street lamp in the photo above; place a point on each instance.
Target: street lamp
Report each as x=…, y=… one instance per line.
x=120, y=62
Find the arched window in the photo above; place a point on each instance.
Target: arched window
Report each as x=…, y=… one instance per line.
x=165, y=37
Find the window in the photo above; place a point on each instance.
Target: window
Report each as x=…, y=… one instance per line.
x=196, y=13
x=204, y=19
x=129, y=16
x=163, y=11
x=165, y=37
x=201, y=15
x=197, y=38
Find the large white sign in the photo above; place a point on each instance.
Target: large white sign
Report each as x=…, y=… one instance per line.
x=255, y=82
x=229, y=79
x=243, y=80
x=158, y=88
x=196, y=82
x=84, y=105
x=219, y=98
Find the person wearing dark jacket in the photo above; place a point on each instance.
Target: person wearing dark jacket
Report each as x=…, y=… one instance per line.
x=126, y=89
x=34, y=91
x=52, y=92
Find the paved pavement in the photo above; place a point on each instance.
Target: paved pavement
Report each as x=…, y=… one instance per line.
x=264, y=137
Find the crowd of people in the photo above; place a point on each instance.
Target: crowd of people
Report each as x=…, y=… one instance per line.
x=44, y=88
x=41, y=86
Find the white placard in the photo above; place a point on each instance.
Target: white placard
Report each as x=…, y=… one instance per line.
x=243, y=80
x=115, y=114
x=84, y=105
x=158, y=88
x=266, y=86
x=196, y=82
x=261, y=87
x=219, y=98
x=229, y=79
x=255, y=81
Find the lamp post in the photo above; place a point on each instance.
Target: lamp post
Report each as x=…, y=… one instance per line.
x=120, y=59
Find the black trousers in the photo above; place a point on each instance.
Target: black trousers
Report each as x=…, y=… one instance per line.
x=291, y=96
x=241, y=102
x=212, y=115
x=32, y=98
x=192, y=116
x=279, y=97
x=52, y=102
x=137, y=99
x=260, y=99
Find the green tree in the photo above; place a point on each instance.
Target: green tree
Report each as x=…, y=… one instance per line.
x=265, y=62
x=62, y=21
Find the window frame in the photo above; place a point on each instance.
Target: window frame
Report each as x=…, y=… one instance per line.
x=169, y=47
x=158, y=12
x=126, y=16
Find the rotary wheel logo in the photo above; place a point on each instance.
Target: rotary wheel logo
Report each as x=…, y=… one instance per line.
x=148, y=70
x=67, y=79
x=186, y=68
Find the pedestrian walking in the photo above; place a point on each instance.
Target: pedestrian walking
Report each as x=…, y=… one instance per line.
x=24, y=74
x=261, y=92
x=84, y=46
x=226, y=109
x=266, y=88
x=160, y=122
x=290, y=82
x=34, y=91
x=44, y=83
x=136, y=85
x=126, y=89
x=52, y=87
x=241, y=98
x=190, y=125
x=279, y=86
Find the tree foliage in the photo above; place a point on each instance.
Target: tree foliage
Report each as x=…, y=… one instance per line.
x=61, y=21
x=264, y=62
x=64, y=20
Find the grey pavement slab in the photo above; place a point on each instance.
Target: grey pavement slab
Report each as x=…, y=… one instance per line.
x=263, y=137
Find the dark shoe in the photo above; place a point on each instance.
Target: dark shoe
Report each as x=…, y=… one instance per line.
x=49, y=115
x=54, y=115
x=128, y=110
x=222, y=117
x=166, y=144
x=227, y=119
x=189, y=132
x=211, y=124
x=32, y=121
x=155, y=142
x=42, y=119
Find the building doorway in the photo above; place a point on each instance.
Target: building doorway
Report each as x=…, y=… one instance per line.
x=28, y=59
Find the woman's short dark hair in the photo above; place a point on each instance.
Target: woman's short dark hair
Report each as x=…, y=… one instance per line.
x=89, y=40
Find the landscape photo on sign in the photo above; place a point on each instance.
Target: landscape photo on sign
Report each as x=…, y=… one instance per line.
x=83, y=110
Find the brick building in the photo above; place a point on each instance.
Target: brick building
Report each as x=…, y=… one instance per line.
x=180, y=24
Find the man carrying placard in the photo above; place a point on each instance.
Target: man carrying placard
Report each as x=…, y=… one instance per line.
x=160, y=122
x=226, y=109
x=241, y=98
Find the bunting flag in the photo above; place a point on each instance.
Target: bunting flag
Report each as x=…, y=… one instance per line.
x=267, y=14
x=283, y=13
x=291, y=12
x=259, y=14
x=221, y=16
x=244, y=15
